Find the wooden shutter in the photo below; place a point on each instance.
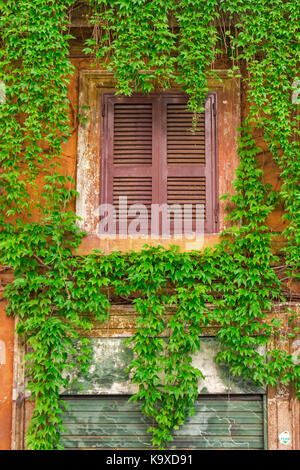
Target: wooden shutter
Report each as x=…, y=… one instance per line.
x=111, y=422
x=189, y=157
x=150, y=155
x=127, y=151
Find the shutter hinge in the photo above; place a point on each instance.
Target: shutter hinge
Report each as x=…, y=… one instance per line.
x=103, y=109
x=214, y=109
x=217, y=214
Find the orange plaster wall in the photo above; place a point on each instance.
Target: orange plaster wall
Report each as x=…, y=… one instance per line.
x=6, y=377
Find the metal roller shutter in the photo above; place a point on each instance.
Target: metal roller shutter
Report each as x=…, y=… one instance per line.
x=220, y=422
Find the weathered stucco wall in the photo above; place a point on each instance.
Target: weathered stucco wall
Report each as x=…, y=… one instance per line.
x=6, y=377
x=283, y=406
x=92, y=83
x=107, y=375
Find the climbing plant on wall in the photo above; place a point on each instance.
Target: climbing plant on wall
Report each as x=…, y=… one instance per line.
x=56, y=294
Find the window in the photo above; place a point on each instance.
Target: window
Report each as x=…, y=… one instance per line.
x=150, y=158
x=230, y=413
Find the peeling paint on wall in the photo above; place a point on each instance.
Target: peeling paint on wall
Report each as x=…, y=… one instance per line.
x=107, y=372
x=2, y=353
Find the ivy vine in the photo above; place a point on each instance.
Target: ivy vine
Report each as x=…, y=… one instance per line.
x=233, y=284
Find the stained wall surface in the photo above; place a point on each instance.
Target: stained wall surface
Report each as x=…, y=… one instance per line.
x=6, y=377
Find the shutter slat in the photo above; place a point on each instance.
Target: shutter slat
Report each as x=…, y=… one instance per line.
x=185, y=142
x=184, y=153
x=109, y=403
x=129, y=429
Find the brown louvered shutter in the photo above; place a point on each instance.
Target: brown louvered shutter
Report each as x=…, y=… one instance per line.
x=189, y=157
x=128, y=147
x=150, y=155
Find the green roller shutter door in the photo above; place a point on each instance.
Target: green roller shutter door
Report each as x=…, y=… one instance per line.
x=220, y=422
